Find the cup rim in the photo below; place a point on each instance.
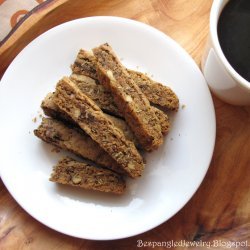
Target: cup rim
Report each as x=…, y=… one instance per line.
x=214, y=17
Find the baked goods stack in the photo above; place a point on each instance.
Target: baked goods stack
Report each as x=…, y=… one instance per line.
x=106, y=114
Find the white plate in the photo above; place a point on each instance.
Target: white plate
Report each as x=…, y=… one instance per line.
x=173, y=173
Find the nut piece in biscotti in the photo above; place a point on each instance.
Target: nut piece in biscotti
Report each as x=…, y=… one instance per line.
x=128, y=97
x=105, y=100
x=79, y=174
x=76, y=141
x=91, y=119
x=157, y=93
x=50, y=109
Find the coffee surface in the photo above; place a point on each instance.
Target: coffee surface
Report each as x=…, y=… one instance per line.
x=234, y=35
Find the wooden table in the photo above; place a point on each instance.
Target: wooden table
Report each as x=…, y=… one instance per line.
x=220, y=209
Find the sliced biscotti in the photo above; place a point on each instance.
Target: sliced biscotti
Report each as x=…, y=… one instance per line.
x=50, y=109
x=130, y=100
x=79, y=174
x=157, y=93
x=91, y=119
x=105, y=100
x=74, y=140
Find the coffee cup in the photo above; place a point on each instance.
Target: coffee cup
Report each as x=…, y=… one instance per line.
x=223, y=79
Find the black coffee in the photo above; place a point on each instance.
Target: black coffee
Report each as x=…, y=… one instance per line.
x=234, y=35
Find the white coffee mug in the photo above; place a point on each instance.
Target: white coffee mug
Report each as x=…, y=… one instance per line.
x=221, y=77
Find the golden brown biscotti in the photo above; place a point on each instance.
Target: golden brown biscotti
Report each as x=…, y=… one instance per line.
x=50, y=109
x=105, y=101
x=130, y=100
x=79, y=174
x=157, y=93
x=91, y=119
x=74, y=140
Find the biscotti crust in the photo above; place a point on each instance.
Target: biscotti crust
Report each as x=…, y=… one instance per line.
x=92, y=120
x=74, y=173
x=128, y=97
x=76, y=141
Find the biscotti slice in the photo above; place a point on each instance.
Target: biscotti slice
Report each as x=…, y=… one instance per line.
x=105, y=100
x=74, y=140
x=101, y=129
x=156, y=93
x=50, y=109
x=79, y=174
x=130, y=100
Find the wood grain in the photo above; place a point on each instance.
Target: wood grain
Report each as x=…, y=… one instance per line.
x=220, y=209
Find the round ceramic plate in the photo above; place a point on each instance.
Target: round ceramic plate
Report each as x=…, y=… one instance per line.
x=173, y=172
